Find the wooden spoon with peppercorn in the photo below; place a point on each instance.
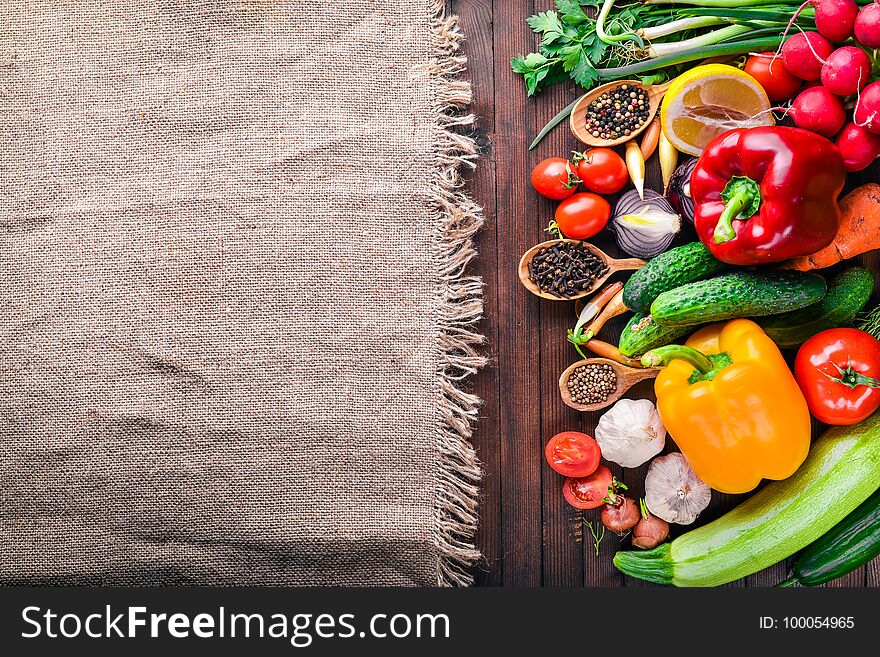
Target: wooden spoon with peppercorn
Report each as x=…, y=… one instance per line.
x=601, y=380
x=562, y=270
x=614, y=113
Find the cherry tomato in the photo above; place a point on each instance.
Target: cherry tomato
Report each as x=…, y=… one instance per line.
x=588, y=492
x=602, y=170
x=838, y=372
x=573, y=454
x=555, y=178
x=582, y=215
x=772, y=76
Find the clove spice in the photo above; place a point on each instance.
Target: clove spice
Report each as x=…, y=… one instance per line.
x=566, y=269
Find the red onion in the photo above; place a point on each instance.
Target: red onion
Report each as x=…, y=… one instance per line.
x=679, y=192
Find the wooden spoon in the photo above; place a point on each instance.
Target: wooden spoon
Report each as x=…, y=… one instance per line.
x=614, y=265
x=627, y=377
x=578, y=118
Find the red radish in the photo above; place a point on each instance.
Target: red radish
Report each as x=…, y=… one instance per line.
x=835, y=18
x=867, y=26
x=818, y=110
x=867, y=110
x=858, y=147
x=846, y=70
x=803, y=54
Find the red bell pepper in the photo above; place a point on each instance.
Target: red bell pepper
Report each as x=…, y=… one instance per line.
x=767, y=194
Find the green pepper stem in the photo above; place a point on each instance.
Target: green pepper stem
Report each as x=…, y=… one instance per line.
x=661, y=356
x=742, y=197
x=724, y=231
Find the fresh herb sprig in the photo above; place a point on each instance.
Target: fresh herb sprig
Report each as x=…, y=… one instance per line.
x=594, y=40
x=570, y=46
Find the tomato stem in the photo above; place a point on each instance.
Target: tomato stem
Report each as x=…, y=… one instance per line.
x=554, y=231
x=573, y=181
x=850, y=378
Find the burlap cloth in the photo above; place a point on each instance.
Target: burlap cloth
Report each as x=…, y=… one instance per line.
x=233, y=310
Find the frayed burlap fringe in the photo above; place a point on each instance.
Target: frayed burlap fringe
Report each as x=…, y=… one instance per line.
x=459, y=308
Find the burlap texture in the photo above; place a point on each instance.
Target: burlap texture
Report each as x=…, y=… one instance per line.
x=233, y=314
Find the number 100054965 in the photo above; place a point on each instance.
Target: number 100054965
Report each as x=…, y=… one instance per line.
x=818, y=622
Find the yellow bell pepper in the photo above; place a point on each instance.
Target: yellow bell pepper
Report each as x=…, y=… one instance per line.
x=732, y=406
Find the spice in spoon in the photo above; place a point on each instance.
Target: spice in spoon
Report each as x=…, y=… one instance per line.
x=618, y=113
x=566, y=269
x=592, y=383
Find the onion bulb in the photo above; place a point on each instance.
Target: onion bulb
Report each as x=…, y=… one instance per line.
x=620, y=515
x=650, y=531
x=644, y=228
x=679, y=190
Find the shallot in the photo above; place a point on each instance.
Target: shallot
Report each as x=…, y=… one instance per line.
x=650, y=531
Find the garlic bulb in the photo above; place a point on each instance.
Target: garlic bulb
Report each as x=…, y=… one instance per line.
x=673, y=491
x=631, y=432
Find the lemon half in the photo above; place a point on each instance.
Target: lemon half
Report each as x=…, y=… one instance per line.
x=708, y=100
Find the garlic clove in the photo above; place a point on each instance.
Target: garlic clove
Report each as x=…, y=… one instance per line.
x=631, y=432
x=673, y=491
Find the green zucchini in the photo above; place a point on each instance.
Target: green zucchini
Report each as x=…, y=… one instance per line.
x=847, y=294
x=853, y=542
x=737, y=294
x=676, y=267
x=840, y=472
x=642, y=334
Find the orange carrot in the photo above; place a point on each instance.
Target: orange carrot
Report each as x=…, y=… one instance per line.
x=611, y=352
x=859, y=231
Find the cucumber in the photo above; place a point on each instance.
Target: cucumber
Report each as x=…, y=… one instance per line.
x=676, y=267
x=737, y=294
x=642, y=334
x=852, y=542
x=841, y=471
x=847, y=294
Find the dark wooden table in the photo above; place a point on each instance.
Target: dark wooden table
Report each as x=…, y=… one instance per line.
x=528, y=534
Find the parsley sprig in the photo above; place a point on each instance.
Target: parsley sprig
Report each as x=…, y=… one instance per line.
x=570, y=47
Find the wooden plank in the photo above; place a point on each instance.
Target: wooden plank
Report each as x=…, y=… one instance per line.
x=476, y=20
x=563, y=553
x=519, y=364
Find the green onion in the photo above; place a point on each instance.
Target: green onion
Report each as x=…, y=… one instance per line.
x=690, y=55
x=708, y=39
x=689, y=23
x=555, y=121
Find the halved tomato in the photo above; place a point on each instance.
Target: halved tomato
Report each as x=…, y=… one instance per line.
x=588, y=492
x=573, y=454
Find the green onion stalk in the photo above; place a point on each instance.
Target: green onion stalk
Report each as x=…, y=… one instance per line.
x=689, y=55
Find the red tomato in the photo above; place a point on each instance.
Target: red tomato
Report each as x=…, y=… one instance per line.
x=582, y=215
x=602, y=170
x=555, y=178
x=771, y=74
x=573, y=454
x=838, y=372
x=588, y=492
